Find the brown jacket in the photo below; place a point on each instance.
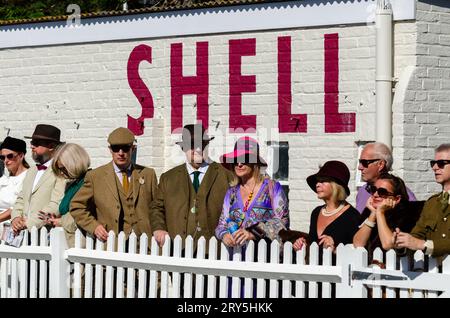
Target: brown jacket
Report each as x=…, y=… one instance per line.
x=97, y=202
x=434, y=224
x=172, y=208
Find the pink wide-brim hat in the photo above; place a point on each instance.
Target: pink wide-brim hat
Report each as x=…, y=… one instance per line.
x=246, y=150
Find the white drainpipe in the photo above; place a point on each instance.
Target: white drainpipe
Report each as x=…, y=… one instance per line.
x=384, y=72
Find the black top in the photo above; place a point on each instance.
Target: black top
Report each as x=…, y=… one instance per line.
x=404, y=216
x=341, y=229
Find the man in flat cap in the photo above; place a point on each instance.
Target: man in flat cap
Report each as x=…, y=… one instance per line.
x=190, y=196
x=116, y=196
x=42, y=190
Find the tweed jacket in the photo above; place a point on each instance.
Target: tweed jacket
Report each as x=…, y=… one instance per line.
x=98, y=202
x=170, y=210
x=45, y=197
x=434, y=224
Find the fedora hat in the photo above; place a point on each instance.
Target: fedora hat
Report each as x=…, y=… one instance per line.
x=46, y=132
x=193, y=136
x=334, y=170
x=246, y=150
x=14, y=144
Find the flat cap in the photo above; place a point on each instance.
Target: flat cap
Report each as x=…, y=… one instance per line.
x=121, y=136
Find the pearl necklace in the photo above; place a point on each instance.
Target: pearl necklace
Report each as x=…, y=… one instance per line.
x=333, y=212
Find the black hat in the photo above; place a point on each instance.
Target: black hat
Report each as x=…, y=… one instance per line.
x=14, y=144
x=193, y=134
x=336, y=171
x=46, y=132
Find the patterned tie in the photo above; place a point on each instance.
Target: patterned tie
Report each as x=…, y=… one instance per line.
x=444, y=200
x=196, y=182
x=125, y=183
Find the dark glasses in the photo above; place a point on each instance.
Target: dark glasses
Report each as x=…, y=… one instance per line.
x=40, y=142
x=9, y=156
x=440, y=163
x=366, y=162
x=382, y=192
x=116, y=148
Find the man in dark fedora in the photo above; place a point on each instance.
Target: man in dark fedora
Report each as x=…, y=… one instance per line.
x=42, y=190
x=116, y=196
x=190, y=196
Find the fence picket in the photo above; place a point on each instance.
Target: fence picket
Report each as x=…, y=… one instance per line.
x=391, y=264
x=212, y=255
x=120, y=271
x=14, y=278
x=418, y=266
x=432, y=268
x=4, y=278
x=142, y=274
x=153, y=287
x=236, y=281
x=300, y=287
x=404, y=293
x=165, y=275
x=274, y=259
x=98, y=286
x=446, y=270
x=189, y=252
x=23, y=272
x=43, y=288
x=326, y=260
x=377, y=291
x=287, y=259
x=176, y=281
x=199, y=279
x=262, y=258
x=88, y=282
x=109, y=277
x=131, y=282
x=33, y=265
x=313, y=290
x=223, y=280
x=249, y=257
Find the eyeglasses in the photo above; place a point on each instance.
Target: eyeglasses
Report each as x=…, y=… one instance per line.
x=9, y=156
x=382, y=192
x=366, y=162
x=440, y=163
x=116, y=148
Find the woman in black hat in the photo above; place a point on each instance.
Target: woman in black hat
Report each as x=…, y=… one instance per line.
x=13, y=156
x=336, y=221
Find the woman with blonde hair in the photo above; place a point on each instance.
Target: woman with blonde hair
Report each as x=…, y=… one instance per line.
x=71, y=161
x=254, y=206
x=336, y=221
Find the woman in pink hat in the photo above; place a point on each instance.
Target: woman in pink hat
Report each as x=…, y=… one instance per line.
x=336, y=221
x=254, y=206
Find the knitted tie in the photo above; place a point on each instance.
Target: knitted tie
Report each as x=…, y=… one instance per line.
x=196, y=182
x=444, y=200
x=125, y=183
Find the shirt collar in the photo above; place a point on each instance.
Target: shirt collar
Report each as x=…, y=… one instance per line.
x=118, y=170
x=203, y=167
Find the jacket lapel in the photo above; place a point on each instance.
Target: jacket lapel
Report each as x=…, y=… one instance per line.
x=135, y=178
x=208, y=179
x=184, y=182
x=48, y=172
x=110, y=180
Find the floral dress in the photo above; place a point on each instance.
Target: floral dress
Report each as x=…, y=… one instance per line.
x=259, y=210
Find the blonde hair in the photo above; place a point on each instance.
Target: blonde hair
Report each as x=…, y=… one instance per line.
x=338, y=192
x=256, y=175
x=74, y=158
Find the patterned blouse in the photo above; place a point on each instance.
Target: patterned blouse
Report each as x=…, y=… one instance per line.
x=259, y=210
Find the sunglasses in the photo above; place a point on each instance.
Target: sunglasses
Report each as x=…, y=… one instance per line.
x=440, y=163
x=366, y=162
x=382, y=192
x=40, y=142
x=9, y=156
x=116, y=148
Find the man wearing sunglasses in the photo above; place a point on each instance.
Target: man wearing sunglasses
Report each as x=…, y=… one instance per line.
x=376, y=159
x=41, y=190
x=116, y=197
x=190, y=196
x=432, y=231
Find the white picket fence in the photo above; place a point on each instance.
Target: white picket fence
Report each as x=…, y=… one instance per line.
x=46, y=268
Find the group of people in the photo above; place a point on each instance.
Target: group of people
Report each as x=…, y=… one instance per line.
x=232, y=200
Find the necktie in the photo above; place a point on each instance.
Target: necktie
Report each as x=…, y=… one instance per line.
x=125, y=183
x=196, y=182
x=41, y=167
x=444, y=200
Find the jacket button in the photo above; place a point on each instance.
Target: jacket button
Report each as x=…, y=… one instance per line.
x=444, y=219
x=444, y=236
x=115, y=220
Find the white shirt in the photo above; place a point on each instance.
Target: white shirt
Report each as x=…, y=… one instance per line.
x=119, y=172
x=40, y=173
x=202, y=169
x=10, y=187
